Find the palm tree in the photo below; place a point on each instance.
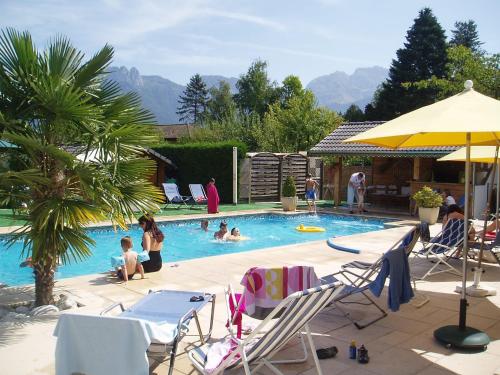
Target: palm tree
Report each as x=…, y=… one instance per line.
x=79, y=146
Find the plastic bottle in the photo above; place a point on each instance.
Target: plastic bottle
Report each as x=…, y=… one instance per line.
x=352, y=350
x=363, y=355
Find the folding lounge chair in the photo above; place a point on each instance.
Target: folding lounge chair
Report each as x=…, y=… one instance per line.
x=199, y=197
x=263, y=289
x=257, y=349
x=172, y=311
x=493, y=247
x=173, y=196
x=358, y=276
x=442, y=247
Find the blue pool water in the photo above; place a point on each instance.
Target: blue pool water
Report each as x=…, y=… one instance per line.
x=185, y=240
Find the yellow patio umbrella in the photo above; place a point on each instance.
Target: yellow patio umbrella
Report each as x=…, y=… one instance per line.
x=465, y=119
x=478, y=154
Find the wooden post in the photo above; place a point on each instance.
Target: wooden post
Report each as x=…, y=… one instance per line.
x=337, y=182
x=416, y=169
x=280, y=177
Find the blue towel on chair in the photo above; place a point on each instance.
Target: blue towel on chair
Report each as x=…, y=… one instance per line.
x=395, y=265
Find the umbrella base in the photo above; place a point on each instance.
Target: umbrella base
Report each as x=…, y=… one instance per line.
x=477, y=291
x=467, y=338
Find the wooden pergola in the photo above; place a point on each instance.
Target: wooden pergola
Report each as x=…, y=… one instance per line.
x=412, y=167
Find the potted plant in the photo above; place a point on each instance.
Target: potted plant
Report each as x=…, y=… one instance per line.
x=289, y=195
x=428, y=203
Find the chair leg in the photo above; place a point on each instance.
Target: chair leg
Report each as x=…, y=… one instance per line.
x=313, y=349
x=172, y=357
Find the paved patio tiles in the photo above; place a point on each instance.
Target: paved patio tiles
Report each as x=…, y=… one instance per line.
x=401, y=343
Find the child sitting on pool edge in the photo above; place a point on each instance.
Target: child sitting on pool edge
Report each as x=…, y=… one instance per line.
x=132, y=265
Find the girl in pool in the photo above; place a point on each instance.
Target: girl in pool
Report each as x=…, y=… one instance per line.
x=152, y=242
x=221, y=234
x=236, y=235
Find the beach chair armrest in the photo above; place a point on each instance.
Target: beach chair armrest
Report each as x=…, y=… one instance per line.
x=114, y=305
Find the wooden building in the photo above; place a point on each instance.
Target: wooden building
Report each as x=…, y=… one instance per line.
x=164, y=167
x=173, y=132
x=394, y=174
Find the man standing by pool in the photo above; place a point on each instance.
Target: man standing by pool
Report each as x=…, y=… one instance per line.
x=357, y=180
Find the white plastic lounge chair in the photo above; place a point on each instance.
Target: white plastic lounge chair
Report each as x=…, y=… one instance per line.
x=172, y=311
x=173, y=196
x=295, y=312
x=358, y=276
x=199, y=197
x=90, y=344
x=442, y=247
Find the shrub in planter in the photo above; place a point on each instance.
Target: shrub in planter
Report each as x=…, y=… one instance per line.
x=289, y=195
x=289, y=189
x=428, y=202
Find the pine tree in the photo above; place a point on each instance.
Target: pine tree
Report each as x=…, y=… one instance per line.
x=354, y=114
x=465, y=34
x=194, y=100
x=423, y=56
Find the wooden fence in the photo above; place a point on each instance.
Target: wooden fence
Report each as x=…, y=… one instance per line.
x=268, y=172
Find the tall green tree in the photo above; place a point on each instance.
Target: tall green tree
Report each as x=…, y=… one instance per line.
x=193, y=102
x=354, y=114
x=221, y=104
x=423, y=57
x=255, y=90
x=291, y=87
x=296, y=127
x=464, y=64
x=80, y=143
x=465, y=34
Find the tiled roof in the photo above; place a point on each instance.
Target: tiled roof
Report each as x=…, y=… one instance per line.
x=332, y=144
x=175, y=131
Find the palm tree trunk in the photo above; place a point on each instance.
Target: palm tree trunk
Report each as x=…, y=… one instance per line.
x=44, y=282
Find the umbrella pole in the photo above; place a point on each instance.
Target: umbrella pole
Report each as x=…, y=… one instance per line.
x=463, y=299
x=462, y=336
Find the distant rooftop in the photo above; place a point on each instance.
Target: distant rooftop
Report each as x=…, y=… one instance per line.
x=333, y=145
x=172, y=132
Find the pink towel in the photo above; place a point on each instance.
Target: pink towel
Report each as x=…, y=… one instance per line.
x=265, y=288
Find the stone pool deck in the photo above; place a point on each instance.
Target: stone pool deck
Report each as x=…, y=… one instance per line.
x=401, y=343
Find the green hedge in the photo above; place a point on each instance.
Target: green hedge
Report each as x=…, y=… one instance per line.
x=198, y=162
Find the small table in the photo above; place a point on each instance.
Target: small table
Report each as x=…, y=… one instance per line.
x=170, y=308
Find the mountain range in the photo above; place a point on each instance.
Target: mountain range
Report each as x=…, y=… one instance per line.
x=336, y=91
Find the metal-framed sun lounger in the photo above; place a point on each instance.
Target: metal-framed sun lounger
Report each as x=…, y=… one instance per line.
x=173, y=196
x=198, y=195
x=172, y=309
x=287, y=320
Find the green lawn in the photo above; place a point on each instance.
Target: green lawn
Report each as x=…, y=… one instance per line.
x=7, y=219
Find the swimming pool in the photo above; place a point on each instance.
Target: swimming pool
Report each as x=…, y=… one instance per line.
x=185, y=240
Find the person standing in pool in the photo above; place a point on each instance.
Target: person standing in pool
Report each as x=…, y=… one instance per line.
x=152, y=242
x=212, y=197
x=311, y=187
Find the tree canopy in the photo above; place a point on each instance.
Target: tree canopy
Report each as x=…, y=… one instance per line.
x=423, y=56
x=465, y=34
x=255, y=90
x=79, y=144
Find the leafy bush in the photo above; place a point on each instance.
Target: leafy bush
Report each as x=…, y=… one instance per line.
x=289, y=189
x=198, y=162
x=428, y=198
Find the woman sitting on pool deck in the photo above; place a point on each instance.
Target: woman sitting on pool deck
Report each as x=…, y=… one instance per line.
x=152, y=242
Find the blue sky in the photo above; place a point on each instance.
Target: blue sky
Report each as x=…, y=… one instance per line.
x=308, y=38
